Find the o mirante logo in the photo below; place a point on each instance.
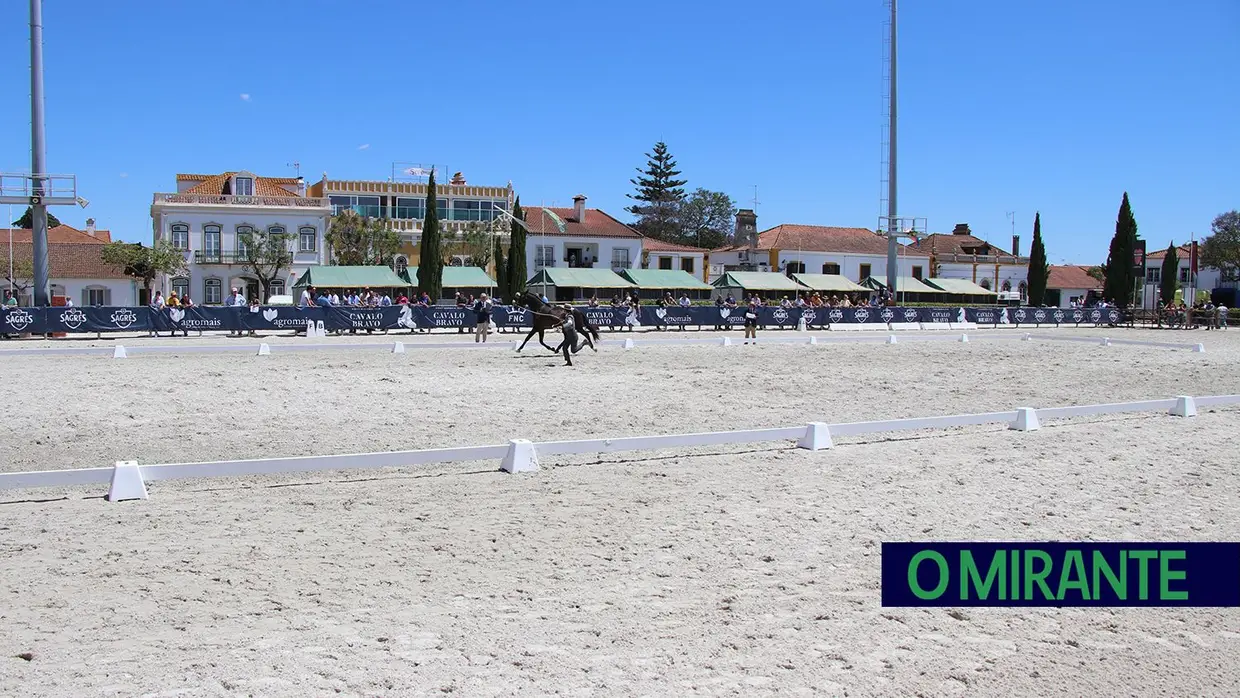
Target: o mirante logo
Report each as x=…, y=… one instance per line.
x=1061, y=574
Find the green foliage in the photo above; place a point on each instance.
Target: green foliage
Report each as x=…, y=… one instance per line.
x=1119, y=280
x=145, y=263
x=26, y=222
x=266, y=255
x=430, y=262
x=501, y=270
x=706, y=219
x=1039, y=269
x=1221, y=250
x=1170, y=274
x=356, y=240
x=517, y=274
x=659, y=195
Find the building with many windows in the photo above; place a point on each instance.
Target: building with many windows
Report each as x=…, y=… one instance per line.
x=962, y=255
x=75, y=260
x=854, y=253
x=579, y=237
x=207, y=214
x=458, y=204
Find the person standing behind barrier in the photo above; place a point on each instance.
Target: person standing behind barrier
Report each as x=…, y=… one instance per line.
x=1221, y=313
x=751, y=321
x=482, y=307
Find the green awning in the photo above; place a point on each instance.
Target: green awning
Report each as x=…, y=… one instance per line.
x=757, y=281
x=665, y=279
x=830, y=282
x=962, y=287
x=327, y=276
x=458, y=277
x=564, y=277
x=904, y=284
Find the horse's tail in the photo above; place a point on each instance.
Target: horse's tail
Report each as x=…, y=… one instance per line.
x=582, y=320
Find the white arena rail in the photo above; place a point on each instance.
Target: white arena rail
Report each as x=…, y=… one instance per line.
x=119, y=351
x=128, y=480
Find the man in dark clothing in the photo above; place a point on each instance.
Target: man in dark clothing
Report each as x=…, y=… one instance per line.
x=570, y=338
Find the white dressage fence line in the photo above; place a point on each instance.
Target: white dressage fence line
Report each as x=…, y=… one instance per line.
x=127, y=480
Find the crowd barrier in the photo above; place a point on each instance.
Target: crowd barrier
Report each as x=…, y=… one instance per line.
x=128, y=479
x=336, y=319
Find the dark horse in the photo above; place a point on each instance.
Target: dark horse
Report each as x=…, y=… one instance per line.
x=548, y=317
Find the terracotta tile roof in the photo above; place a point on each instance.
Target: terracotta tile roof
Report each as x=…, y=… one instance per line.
x=653, y=245
x=951, y=243
x=820, y=238
x=1182, y=252
x=60, y=234
x=67, y=260
x=1071, y=276
x=214, y=184
x=597, y=224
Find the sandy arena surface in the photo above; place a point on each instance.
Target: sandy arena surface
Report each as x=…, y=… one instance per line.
x=749, y=570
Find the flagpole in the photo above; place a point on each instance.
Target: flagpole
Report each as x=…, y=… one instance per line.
x=12, y=289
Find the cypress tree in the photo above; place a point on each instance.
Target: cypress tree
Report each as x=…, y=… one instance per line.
x=430, y=263
x=1039, y=270
x=501, y=271
x=1120, y=278
x=516, y=255
x=1170, y=274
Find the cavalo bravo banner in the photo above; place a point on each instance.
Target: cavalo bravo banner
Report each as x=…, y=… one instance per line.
x=1061, y=574
x=287, y=318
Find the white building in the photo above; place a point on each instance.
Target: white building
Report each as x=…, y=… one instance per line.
x=206, y=213
x=658, y=254
x=1151, y=295
x=961, y=255
x=591, y=239
x=78, y=272
x=1070, y=286
x=854, y=253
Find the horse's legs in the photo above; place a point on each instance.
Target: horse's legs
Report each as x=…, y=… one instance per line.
x=527, y=339
x=544, y=343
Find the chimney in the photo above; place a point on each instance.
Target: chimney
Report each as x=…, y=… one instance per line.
x=301, y=185
x=458, y=180
x=1016, y=245
x=579, y=208
x=90, y=227
x=961, y=229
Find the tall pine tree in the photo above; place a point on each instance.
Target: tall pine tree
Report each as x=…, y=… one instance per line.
x=1170, y=275
x=1120, y=277
x=659, y=195
x=501, y=271
x=516, y=255
x=1039, y=270
x=430, y=262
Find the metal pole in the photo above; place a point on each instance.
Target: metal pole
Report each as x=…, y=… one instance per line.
x=12, y=288
x=542, y=238
x=38, y=211
x=892, y=269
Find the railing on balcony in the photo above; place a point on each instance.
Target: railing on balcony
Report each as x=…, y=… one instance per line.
x=232, y=200
x=210, y=257
x=953, y=257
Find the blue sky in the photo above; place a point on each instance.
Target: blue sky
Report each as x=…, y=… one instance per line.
x=1046, y=105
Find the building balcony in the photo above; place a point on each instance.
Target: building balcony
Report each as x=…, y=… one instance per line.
x=954, y=258
x=208, y=257
x=232, y=200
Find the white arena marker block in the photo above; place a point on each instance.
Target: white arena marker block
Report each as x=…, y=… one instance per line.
x=1200, y=349
x=398, y=347
x=727, y=341
x=1026, y=419
x=964, y=339
x=891, y=339
x=1185, y=406
x=813, y=340
x=127, y=482
x=1028, y=337
x=1106, y=341
x=264, y=349
x=628, y=343
x=521, y=457
x=817, y=437
x=118, y=352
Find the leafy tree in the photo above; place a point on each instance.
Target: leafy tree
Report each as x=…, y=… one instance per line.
x=658, y=195
x=357, y=240
x=266, y=255
x=26, y=222
x=1170, y=274
x=430, y=263
x=501, y=269
x=1039, y=270
x=516, y=255
x=23, y=275
x=1118, y=284
x=145, y=263
x=1098, y=273
x=1221, y=250
x=474, y=243
x=706, y=219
